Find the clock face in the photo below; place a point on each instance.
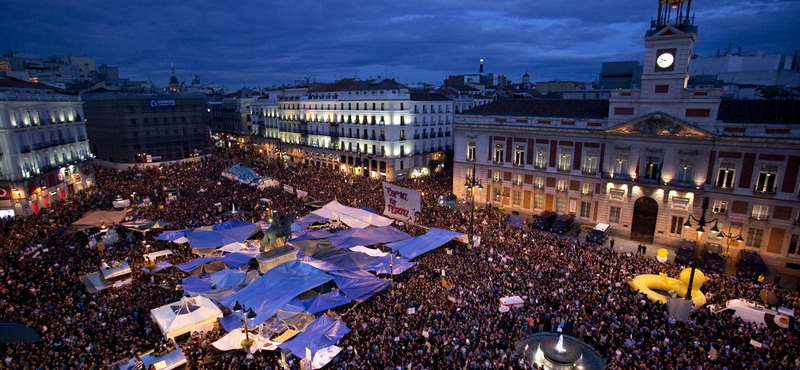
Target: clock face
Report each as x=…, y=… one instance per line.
x=665, y=60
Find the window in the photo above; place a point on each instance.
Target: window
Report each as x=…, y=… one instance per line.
x=587, y=189
x=562, y=185
x=498, y=153
x=793, y=245
x=402, y=120
x=651, y=169
x=676, y=226
x=766, y=179
x=471, y=149
x=469, y=174
x=565, y=160
x=685, y=171
x=539, y=182
x=402, y=153
x=538, y=201
x=519, y=155
x=497, y=177
x=516, y=197
x=561, y=205
x=720, y=206
x=590, y=162
x=726, y=175
x=497, y=194
x=754, y=237
x=402, y=106
x=402, y=134
x=621, y=166
x=760, y=212
x=613, y=214
x=517, y=180
x=541, y=157
x=586, y=209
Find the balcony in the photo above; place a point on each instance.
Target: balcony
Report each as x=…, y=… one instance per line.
x=589, y=171
x=382, y=138
x=540, y=166
x=447, y=133
x=759, y=217
x=364, y=136
x=425, y=135
x=764, y=191
x=519, y=164
x=372, y=137
x=416, y=136
x=563, y=168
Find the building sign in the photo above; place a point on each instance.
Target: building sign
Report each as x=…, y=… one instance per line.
x=401, y=203
x=5, y=192
x=6, y=213
x=162, y=103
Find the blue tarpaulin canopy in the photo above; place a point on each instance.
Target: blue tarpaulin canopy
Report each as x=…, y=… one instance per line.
x=359, y=284
x=434, y=238
x=195, y=285
x=515, y=221
x=310, y=234
x=369, y=210
x=323, y=332
x=203, y=266
x=243, y=173
x=385, y=265
x=276, y=288
x=349, y=260
x=326, y=301
x=320, y=264
x=236, y=260
x=308, y=220
x=227, y=278
x=218, y=238
x=172, y=235
x=230, y=224
x=367, y=236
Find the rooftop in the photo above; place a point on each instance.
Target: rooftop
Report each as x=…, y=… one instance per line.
x=759, y=111
x=6, y=81
x=572, y=108
x=417, y=96
x=351, y=84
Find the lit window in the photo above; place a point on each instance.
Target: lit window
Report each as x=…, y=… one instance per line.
x=754, y=237
x=621, y=165
x=685, y=171
x=766, y=179
x=562, y=185
x=760, y=212
x=498, y=153
x=538, y=201
x=519, y=155
x=726, y=175
x=541, y=157
x=587, y=189
x=565, y=160
x=720, y=206
x=539, y=182
x=471, y=149
x=590, y=162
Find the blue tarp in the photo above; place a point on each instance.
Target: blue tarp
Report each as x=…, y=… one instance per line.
x=367, y=236
x=227, y=278
x=323, y=332
x=230, y=323
x=276, y=288
x=326, y=301
x=349, y=260
x=434, y=238
x=194, y=285
x=310, y=234
x=172, y=235
x=307, y=220
x=369, y=209
x=230, y=224
x=515, y=221
x=236, y=260
x=293, y=308
x=385, y=265
x=159, y=266
x=191, y=265
x=320, y=264
x=218, y=238
x=359, y=284
x=243, y=173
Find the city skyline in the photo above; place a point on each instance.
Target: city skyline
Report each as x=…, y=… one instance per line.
x=260, y=45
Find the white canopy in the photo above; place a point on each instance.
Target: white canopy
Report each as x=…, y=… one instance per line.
x=189, y=314
x=353, y=217
x=324, y=356
x=156, y=254
x=368, y=251
x=233, y=341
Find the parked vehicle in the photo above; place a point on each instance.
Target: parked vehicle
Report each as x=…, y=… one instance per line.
x=599, y=234
x=686, y=253
x=712, y=258
x=544, y=220
x=750, y=265
x=563, y=224
x=750, y=311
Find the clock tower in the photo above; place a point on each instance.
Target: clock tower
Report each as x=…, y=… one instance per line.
x=668, y=50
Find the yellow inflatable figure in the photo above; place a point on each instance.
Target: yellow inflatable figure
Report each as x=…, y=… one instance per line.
x=648, y=284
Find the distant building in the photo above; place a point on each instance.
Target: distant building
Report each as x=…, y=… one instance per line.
x=556, y=86
x=744, y=69
x=620, y=75
x=44, y=152
x=233, y=114
x=137, y=128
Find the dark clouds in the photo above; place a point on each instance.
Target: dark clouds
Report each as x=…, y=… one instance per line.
x=274, y=42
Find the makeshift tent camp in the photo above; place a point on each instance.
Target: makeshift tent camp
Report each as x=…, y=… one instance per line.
x=324, y=355
x=194, y=285
x=434, y=238
x=267, y=295
x=367, y=236
x=370, y=251
x=203, y=242
x=158, y=267
x=156, y=254
x=172, y=235
x=203, y=266
x=353, y=217
x=144, y=225
x=320, y=264
x=323, y=332
x=326, y=301
x=233, y=341
x=389, y=265
x=96, y=219
x=358, y=284
x=11, y=332
x=349, y=260
x=294, y=315
x=119, y=272
x=227, y=278
x=218, y=294
x=230, y=224
x=310, y=234
x=236, y=260
x=234, y=247
x=304, y=222
x=317, y=248
x=187, y=315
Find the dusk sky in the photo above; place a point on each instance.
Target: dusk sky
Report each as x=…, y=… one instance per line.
x=261, y=43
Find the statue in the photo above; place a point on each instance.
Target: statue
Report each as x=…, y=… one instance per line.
x=280, y=228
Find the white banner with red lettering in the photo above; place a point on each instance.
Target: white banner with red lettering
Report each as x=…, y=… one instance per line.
x=401, y=203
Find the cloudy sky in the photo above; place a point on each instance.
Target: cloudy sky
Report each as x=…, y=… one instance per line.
x=275, y=42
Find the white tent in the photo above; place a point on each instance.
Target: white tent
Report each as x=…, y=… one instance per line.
x=233, y=341
x=353, y=217
x=187, y=315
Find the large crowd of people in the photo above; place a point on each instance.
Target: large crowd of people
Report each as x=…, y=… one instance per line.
x=568, y=286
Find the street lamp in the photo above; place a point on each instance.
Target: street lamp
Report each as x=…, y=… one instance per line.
x=701, y=223
x=249, y=314
x=471, y=183
x=391, y=269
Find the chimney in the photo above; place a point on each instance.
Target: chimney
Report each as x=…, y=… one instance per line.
x=481, y=67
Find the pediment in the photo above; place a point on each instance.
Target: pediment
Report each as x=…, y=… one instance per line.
x=667, y=31
x=659, y=124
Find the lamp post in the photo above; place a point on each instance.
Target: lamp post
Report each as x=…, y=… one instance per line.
x=248, y=314
x=471, y=183
x=701, y=223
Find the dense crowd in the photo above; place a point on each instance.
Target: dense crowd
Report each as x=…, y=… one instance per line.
x=575, y=288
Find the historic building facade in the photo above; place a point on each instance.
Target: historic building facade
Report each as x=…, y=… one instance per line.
x=374, y=128
x=646, y=158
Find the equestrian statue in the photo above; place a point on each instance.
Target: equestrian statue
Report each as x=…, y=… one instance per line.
x=281, y=228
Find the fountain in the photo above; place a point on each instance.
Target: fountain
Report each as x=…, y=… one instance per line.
x=556, y=351
x=557, y=354
x=233, y=210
